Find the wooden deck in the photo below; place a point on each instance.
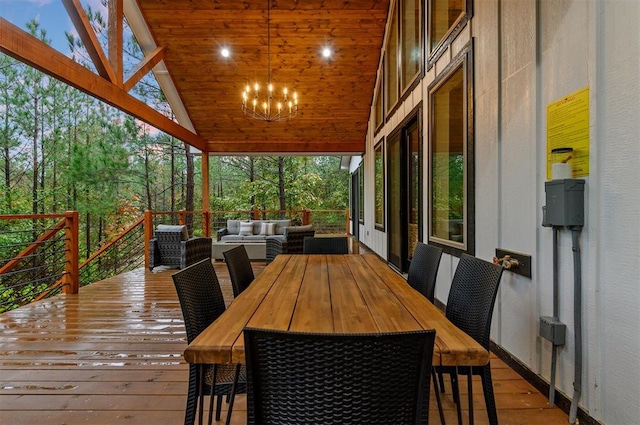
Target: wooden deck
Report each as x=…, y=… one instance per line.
x=113, y=355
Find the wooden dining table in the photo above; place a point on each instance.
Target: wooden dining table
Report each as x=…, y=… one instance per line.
x=350, y=293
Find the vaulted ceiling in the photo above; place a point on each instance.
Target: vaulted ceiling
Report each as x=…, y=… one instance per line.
x=182, y=39
x=335, y=94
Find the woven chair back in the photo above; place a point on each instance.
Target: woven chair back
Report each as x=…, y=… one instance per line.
x=338, y=379
x=200, y=297
x=240, y=270
x=472, y=297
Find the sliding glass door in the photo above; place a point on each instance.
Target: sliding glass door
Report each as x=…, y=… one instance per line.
x=404, y=187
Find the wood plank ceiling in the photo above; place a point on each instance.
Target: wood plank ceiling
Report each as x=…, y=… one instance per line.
x=335, y=95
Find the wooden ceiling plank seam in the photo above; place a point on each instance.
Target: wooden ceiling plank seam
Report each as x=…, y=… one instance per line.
x=25, y=48
x=116, y=38
x=89, y=39
x=143, y=67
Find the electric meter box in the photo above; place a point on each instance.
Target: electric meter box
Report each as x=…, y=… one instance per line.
x=565, y=202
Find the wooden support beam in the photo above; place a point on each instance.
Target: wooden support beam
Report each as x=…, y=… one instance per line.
x=25, y=48
x=143, y=67
x=345, y=147
x=89, y=39
x=116, y=38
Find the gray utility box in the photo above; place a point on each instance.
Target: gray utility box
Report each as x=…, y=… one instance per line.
x=565, y=203
x=553, y=330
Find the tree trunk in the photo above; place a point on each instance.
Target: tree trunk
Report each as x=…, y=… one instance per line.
x=190, y=186
x=34, y=186
x=147, y=179
x=88, y=236
x=7, y=173
x=173, y=175
x=252, y=179
x=281, y=189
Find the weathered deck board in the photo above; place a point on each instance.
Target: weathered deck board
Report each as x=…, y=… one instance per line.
x=113, y=355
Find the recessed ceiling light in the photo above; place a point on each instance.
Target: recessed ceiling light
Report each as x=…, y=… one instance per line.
x=225, y=52
x=326, y=52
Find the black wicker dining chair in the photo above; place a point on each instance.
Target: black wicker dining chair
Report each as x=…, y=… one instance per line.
x=424, y=269
x=470, y=307
x=240, y=270
x=302, y=378
x=325, y=245
x=202, y=302
x=422, y=273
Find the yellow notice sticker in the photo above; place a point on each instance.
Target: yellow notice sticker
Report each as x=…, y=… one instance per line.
x=568, y=127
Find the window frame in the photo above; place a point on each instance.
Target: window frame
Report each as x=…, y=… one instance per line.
x=379, y=185
x=378, y=104
x=463, y=60
x=401, y=89
x=361, y=192
x=410, y=84
x=433, y=54
x=389, y=105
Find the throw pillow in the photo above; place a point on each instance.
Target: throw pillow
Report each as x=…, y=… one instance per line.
x=267, y=229
x=184, y=233
x=246, y=229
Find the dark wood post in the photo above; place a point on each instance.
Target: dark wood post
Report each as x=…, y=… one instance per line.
x=148, y=235
x=71, y=278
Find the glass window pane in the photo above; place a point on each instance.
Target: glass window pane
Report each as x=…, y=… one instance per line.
x=410, y=42
x=448, y=159
x=395, y=185
x=391, y=65
x=379, y=177
x=414, y=193
x=361, y=192
x=444, y=14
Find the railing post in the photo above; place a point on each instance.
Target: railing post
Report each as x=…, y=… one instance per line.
x=148, y=234
x=182, y=217
x=348, y=222
x=206, y=224
x=71, y=278
x=306, y=217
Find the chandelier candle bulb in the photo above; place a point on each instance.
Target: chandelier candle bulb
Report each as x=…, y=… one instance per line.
x=270, y=107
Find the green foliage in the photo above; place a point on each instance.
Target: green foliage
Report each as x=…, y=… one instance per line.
x=61, y=150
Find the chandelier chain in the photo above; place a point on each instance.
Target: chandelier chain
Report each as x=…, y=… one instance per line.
x=267, y=109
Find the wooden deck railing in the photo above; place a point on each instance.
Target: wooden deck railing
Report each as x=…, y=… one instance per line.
x=41, y=257
x=39, y=254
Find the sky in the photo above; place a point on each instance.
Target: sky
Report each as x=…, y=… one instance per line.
x=50, y=14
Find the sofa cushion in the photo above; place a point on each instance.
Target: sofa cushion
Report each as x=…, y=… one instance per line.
x=177, y=228
x=232, y=238
x=267, y=229
x=246, y=229
x=241, y=239
x=280, y=226
x=257, y=226
x=255, y=238
x=297, y=229
x=233, y=226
